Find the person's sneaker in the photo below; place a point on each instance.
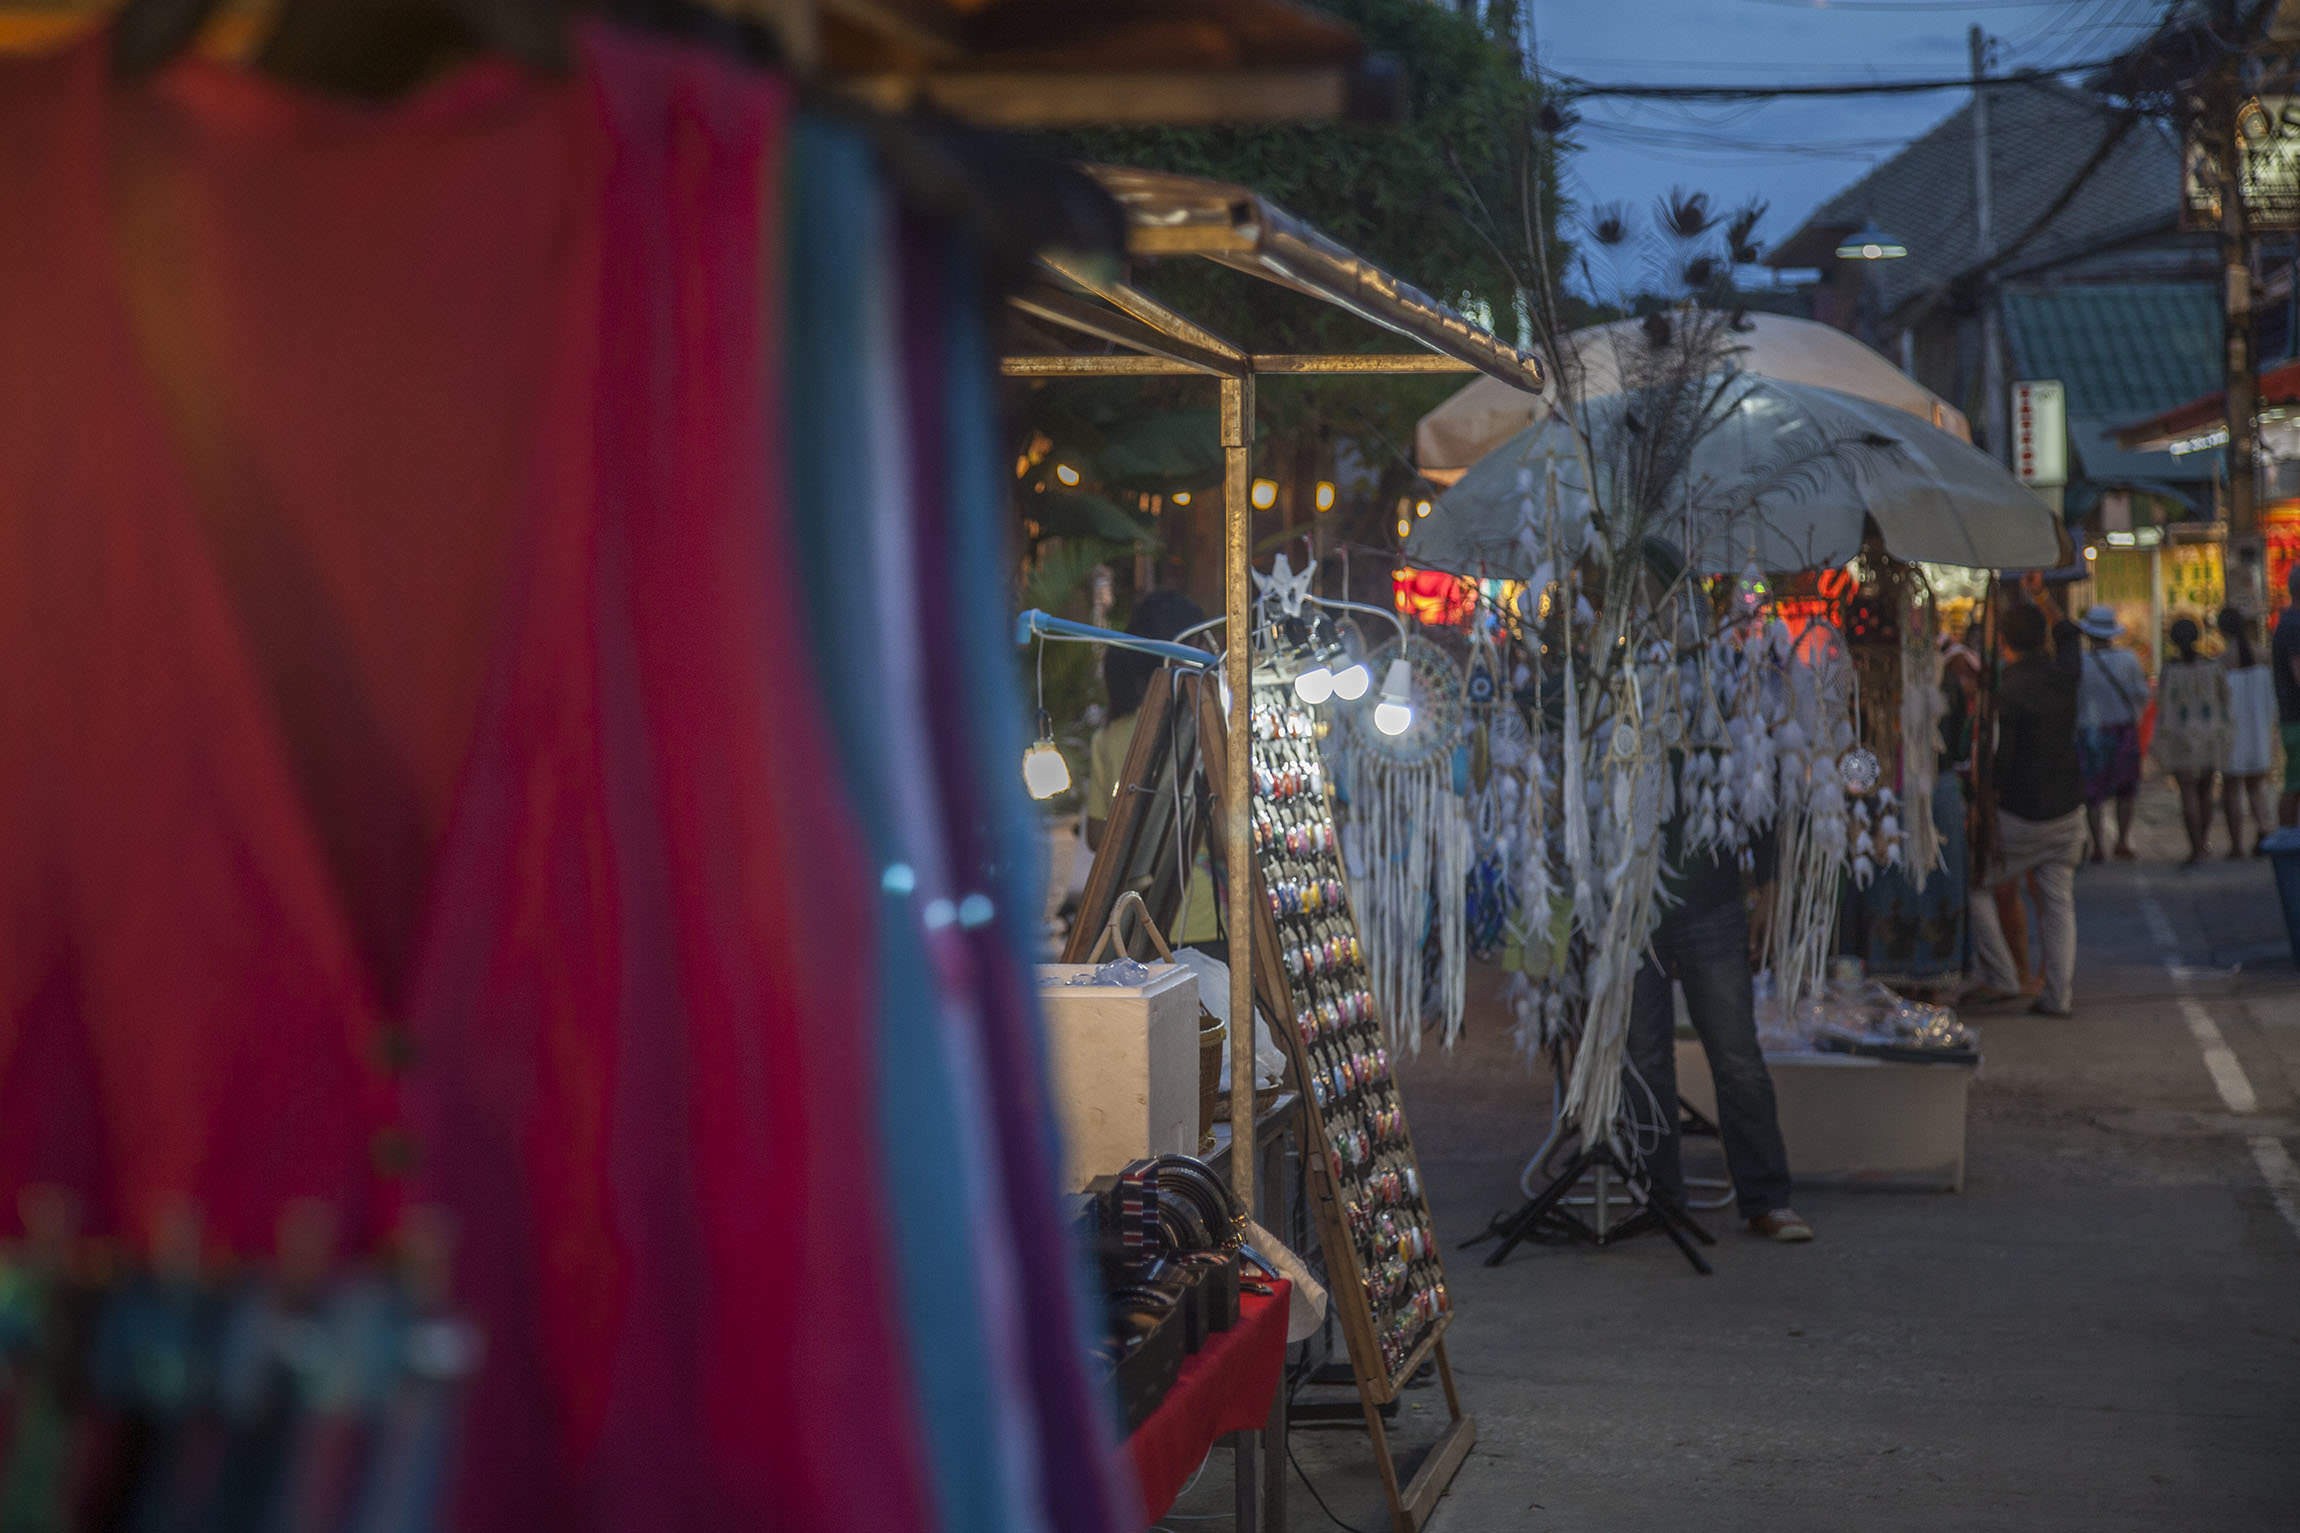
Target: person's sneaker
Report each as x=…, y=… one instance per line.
x=1781, y=1224
x=2040, y=1009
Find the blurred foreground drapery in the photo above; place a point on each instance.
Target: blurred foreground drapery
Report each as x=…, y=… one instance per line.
x=429, y=781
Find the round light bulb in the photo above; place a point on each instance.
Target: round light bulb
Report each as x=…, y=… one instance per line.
x=1394, y=714
x=1181, y=497
x=1044, y=772
x=1421, y=508
x=1351, y=681
x=1264, y=494
x=1314, y=685
x=1325, y=496
x=1065, y=473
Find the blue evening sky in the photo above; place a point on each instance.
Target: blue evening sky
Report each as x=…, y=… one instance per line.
x=1792, y=153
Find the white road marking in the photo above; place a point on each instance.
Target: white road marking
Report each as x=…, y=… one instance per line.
x=2227, y=1072
x=2283, y=1177
x=2220, y=1060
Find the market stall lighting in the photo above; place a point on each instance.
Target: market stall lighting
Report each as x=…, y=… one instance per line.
x=1325, y=496
x=1044, y=772
x=1181, y=497
x=2090, y=554
x=1351, y=681
x=1065, y=473
x=1421, y=508
x=1394, y=714
x=2139, y=537
x=1264, y=494
x=1314, y=685
x=1870, y=243
x=1404, y=526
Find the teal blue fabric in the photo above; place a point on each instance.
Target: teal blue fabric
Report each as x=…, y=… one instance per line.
x=839, y=236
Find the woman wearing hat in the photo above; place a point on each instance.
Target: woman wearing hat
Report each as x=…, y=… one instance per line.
x=2109, y=703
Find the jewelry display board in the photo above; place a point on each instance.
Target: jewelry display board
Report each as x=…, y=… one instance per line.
x=1387, y=1278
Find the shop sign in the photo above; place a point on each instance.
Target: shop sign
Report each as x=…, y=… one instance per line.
x=2268, y=168
x=2040, y=432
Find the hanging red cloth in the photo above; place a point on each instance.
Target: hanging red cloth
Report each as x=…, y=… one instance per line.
x=409, y=784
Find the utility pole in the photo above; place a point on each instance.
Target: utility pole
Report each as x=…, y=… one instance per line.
x=2224, y=105
x=1993, y=400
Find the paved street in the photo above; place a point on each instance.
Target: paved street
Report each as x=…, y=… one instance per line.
x=2102, y=1332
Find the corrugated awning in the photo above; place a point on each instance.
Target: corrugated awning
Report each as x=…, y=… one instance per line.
x=2202, y=416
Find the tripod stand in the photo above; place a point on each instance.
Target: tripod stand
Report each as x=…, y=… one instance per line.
x=1545, y=1212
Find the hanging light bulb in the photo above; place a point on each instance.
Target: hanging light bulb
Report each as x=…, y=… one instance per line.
x=1325, y=496
x=1394, y=714
x=1263, y=493
x=1065, y=473
x=1351, y=681
x=1044, y=772
x=1314, y=684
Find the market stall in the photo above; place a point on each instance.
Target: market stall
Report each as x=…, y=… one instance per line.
x=1313, y=983
x=1742, y=645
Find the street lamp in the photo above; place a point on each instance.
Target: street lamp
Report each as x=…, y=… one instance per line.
x=1870, y=243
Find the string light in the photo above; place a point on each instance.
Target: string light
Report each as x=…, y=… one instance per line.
x=1421, y=508
x=1264, y=494
x=1325, y=496
x=1065, y=473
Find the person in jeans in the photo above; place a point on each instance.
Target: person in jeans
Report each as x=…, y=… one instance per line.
x=2284, y=665
x=1703, y=944
x=2040, y=800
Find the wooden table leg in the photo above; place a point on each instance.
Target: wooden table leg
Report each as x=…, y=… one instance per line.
x=1275, y=1464
x=1245, y=1455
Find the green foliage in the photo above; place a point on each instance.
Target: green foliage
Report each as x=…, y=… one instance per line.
x=1425, y=199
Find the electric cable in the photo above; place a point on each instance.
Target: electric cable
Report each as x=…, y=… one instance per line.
x=1592, y=89
x=1311, y=1486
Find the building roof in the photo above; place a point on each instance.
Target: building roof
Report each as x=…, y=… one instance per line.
x=2042, y=136
x=2123, y=350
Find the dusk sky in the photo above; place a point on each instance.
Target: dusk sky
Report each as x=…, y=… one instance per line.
x=1792, y=153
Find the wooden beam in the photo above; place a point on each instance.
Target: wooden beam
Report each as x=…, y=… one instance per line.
x=1133, y=98
x=1122, y=365
x=1367, y=362
x=1141, y=306
x=1043, y=301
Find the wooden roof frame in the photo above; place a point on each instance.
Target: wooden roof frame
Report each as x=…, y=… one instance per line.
x=1171, y=215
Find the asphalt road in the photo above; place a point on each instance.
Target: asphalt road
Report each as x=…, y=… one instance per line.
x=2102, y=1332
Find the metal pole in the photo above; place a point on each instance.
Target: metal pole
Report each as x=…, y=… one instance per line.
x=2243, y=380
x=1237, y=829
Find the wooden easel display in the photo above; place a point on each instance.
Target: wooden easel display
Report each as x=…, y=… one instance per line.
x=1384, y=1272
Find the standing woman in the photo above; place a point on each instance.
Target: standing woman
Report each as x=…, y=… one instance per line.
x=2192, y=730
x=2252, y=721
x=2109, y=703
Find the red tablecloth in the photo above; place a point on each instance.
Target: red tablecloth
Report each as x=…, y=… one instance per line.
x=1226, y=1388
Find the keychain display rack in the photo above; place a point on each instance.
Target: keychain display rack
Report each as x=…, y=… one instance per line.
x=1381, y=1247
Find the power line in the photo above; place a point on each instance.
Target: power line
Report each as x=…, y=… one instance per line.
x=1915, y=5
x=1593, y=88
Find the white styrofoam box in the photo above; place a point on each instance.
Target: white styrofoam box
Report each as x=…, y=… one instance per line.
x=1125, y=1066
x=1851, y=1120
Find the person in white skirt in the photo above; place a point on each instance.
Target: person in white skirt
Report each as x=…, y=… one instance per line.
x=2252, y=725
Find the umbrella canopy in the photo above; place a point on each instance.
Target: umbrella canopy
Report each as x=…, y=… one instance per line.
x=1485, y=413
x=1791, y=476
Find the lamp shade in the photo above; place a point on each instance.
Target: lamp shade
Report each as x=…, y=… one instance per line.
x=1870, y=243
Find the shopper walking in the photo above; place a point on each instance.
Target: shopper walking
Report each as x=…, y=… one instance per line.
x=2284, y=662
x=2251, y=717
x=2192, y=730
x=2109, y=703
x=2040, y=799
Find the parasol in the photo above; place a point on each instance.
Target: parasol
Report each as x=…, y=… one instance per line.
x=1791, y=477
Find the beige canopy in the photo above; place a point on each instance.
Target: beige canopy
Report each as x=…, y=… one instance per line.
x=1487, y=412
